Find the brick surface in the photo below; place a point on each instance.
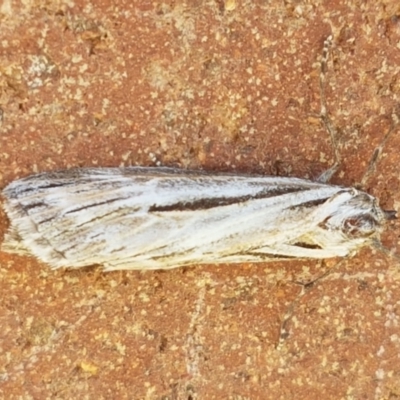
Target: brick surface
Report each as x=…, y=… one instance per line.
x=224, y=85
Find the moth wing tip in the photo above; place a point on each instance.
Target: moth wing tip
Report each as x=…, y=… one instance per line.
x=12, y=243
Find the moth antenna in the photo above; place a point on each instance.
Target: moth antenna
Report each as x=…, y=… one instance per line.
x=324, y=115
x=333, y=132
x=378, y=151
x=290, y=310
x=388, y=253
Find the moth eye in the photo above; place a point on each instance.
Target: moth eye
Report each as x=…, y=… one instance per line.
x=362, y=226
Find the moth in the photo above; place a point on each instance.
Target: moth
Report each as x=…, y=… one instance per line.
x=160, y=218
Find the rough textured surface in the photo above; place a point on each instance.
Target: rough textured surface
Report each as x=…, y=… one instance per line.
x=224, y=85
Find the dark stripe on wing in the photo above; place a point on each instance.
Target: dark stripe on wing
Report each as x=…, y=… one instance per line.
x=91, y=205
x=266, y=256
x=15, y=192
x=29, y=207
x=309, y=204
x=208, y=203
x=307, y=245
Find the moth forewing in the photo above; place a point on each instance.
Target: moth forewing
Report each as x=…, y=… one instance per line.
x=157, y=218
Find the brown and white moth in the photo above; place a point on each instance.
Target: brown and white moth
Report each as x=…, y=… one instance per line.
x=158, y=218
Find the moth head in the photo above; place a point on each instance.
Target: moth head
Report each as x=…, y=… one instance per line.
x=356, y=214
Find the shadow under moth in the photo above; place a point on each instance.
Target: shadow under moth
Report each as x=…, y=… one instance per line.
x=158, y=218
